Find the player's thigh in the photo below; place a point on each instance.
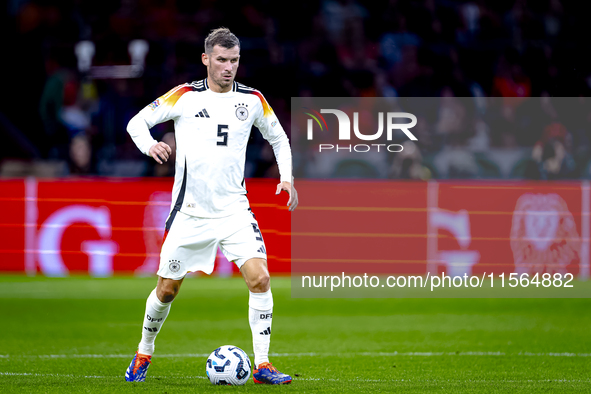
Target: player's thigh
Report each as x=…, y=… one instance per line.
x=190, y=245
x=241, y=239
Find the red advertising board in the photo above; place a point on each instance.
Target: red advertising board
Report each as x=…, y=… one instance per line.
x=472, y=227
x=107, y=226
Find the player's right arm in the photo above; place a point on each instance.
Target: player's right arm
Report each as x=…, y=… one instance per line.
x=161, y=110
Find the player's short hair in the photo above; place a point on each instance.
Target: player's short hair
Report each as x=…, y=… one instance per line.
x=221, y=36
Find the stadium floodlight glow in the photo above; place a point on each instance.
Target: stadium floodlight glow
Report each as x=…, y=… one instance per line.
x=137, y=49
x=84, y=51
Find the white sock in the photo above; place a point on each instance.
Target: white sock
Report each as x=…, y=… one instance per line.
x=260, y=316
x=156, y=312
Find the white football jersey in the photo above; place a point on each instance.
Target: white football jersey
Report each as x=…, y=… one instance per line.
x=211, y=131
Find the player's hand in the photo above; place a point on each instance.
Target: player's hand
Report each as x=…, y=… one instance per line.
x=293, y=194
x=160, y=152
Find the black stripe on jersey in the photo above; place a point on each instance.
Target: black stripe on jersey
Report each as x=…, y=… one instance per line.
x=248, y=91
x=198, y=86
x=179, y=200
x=205, y=83
x=234, y=86
x=242, y=86
x=244, y=89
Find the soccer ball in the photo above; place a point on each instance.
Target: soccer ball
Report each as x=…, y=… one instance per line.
x=228, y=365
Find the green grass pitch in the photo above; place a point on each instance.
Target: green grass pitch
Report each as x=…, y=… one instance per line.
x=78, y=335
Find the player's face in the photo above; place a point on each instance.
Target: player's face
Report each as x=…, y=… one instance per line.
x=222, y=64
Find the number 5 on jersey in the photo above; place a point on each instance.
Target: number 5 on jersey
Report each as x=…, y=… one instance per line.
x=223, y=134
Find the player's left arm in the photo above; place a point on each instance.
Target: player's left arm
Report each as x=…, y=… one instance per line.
x=268, y=124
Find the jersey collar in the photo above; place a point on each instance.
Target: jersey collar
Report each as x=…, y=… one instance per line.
x=234, y=85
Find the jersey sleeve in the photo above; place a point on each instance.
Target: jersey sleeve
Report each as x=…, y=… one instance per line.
x=271, y=129
x=162, y=109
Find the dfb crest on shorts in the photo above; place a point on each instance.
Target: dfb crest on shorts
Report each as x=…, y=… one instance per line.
x=241, y=111
x=174, y=266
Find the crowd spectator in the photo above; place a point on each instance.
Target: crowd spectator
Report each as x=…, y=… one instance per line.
x=553, y=153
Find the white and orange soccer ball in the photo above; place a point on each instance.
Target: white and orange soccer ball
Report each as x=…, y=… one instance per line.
x=228, y=365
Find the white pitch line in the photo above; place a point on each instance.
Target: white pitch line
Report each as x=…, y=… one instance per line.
x=54, y=375
x=312, y=354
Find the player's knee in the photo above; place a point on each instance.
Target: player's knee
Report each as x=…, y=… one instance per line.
x=167, y=292
x=166, y=295
x=260, y=283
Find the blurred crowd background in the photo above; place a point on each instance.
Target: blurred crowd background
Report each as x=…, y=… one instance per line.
x=63, y=114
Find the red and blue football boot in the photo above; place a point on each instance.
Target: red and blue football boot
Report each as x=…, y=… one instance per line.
x=266, y=373
x=138, y=368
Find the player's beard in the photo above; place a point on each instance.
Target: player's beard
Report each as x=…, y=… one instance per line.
x=223, y=83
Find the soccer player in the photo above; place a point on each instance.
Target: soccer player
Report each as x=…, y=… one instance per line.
x=213, y=119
